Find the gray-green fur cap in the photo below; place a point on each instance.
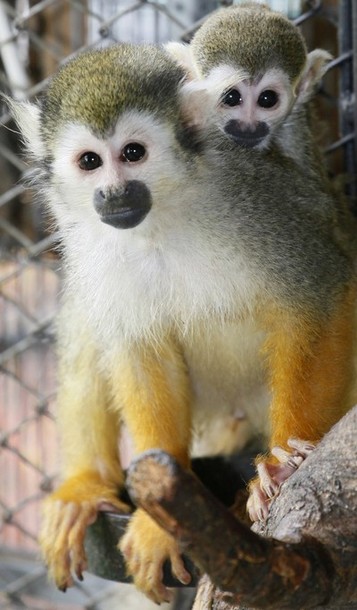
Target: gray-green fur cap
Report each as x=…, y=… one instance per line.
x=252, y=37
x=95, y=87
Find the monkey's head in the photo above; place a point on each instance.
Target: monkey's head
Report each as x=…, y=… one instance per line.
x=108, y=136
x=254, y=64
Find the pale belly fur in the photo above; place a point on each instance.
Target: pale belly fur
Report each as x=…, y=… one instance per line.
x=230, y=394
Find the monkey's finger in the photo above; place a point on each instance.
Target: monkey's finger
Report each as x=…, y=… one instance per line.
x=59, y=565
x=284, y=457
x=280, y=453
x=87, y=516
x=147, y=576
x=178, y=568
x=149, y=580
x=114, y=505
x=126, y=549
x=51, y=517
x=132, y=559
x=283, y=471
x=303, y=448
x=59, y=571
x=257, y=504
x=267, y=484
x=69, y=515
x=59, y=561
x=69, y=555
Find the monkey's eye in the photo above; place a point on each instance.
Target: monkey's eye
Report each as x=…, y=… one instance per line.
x=89, y=161
x=133, y=152
x=232, y=98
x=268, y=98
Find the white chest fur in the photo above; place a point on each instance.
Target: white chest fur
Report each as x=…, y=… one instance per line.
x=138, y=285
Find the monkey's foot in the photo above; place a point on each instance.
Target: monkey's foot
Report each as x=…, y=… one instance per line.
x=271, y=475
x=146, y=547
x=292, y=459
x=66, y=515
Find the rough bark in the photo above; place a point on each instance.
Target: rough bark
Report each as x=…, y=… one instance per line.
x=304, y=556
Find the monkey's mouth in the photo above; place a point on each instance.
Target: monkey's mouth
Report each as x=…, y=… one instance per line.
x=126, y=218
x=246, y=137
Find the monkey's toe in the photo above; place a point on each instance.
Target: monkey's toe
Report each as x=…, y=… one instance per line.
x=289, y=461
x=63, y=546
x=266, y=486
x=272, y=474
x=257, y=503
x=66, y=516
x=301, y=447
x=146, y=547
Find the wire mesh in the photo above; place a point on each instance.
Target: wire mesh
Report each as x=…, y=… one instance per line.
x=35, y=38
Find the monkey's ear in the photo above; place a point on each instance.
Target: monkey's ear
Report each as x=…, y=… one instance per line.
x=315, y=67
x=182, y=55
x=27, y=117
x=198, y=105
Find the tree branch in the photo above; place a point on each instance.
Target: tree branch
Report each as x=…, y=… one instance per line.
x=305, y=567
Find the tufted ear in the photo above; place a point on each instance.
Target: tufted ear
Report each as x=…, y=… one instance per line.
x=316, y=66
x=182, y=55
x=27, y=117
x=198, y=105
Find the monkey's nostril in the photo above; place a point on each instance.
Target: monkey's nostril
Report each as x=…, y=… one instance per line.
x=101, y=194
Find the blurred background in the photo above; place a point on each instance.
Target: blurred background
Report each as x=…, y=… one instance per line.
x=35, y=38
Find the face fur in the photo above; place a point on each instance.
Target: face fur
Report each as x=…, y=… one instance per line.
x=115, y=179
x=249, y=110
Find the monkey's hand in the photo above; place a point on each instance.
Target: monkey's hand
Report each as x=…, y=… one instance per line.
x=66, y=515
x=146, y=547
x=272, y=473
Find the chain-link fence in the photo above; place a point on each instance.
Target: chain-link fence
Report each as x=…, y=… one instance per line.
x=35, y=37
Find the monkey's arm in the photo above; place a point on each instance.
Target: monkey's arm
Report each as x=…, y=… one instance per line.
x=311, y=369
x=154, y=391
x=91, y=473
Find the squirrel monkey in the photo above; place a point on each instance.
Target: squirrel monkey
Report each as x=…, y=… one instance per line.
x=200, y=283
x=253, y=64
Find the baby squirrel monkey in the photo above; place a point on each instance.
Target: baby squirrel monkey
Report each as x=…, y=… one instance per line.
x=199, y=283
x=253, y=64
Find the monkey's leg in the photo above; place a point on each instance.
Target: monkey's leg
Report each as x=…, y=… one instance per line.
x=155, y=394
x=91, y=471
x=311, y=367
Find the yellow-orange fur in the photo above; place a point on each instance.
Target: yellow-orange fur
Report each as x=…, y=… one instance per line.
x=311, y=371
x=151, y=379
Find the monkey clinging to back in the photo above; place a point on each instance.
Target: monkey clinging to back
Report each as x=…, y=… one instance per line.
x=253, y=64
x=199, y=283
